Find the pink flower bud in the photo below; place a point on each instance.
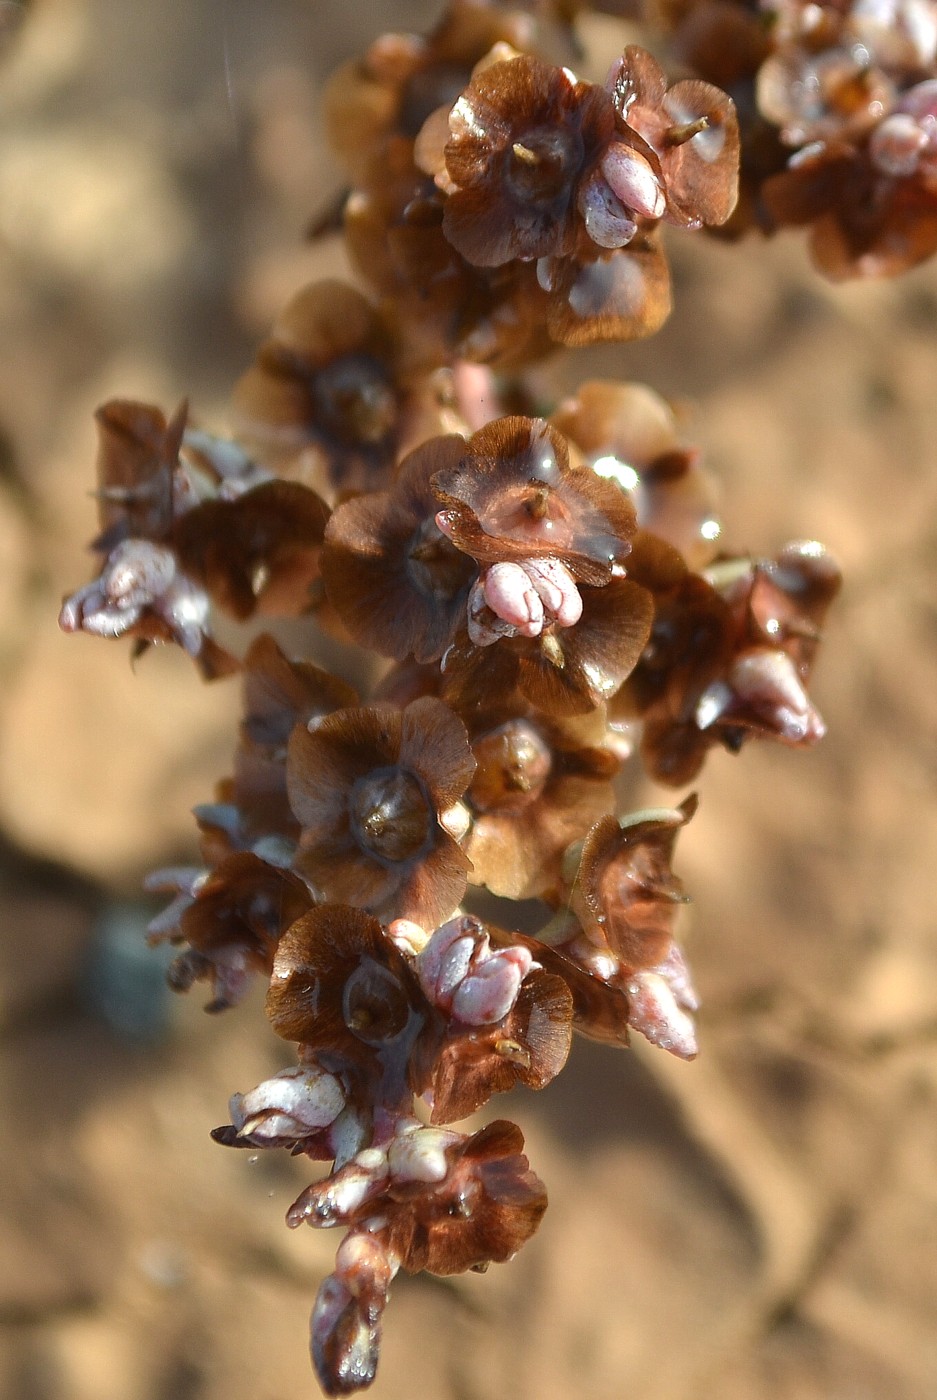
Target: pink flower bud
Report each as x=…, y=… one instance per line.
x=920, y=102
x=654, y=1013
x=768, y=681
x=632, y=179
x=522, y=598
x=765, y=683
x=511, y=595
x=461, y=974
x=486, y=997
x=608, y=223
x=557, y=590
x=445, y=960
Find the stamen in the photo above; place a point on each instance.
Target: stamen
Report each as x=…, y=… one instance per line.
x=537, y=503
x=553, y=651
x=685, y=131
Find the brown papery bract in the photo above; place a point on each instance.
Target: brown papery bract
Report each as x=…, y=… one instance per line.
x=629, y=435
x=514, y=496
x=279, y=694
x=402, y=79
x=729, y=657
x=445, y=307
x=138, y=454
x=395, y=580
x=621, y=295
x=347, y=996
x=322, y=401
x=539, y=785
x=626, y=894
x=368, y=787
x=259, y=552
x=463, y=1069
x=490, y=1175
x=522, y=137
x=600, y=1007
x=351, y=1000
x=232, y=925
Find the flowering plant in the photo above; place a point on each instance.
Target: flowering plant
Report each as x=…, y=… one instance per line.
x=547, y=586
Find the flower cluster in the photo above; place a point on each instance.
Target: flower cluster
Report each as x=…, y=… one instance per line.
x=503, y=205
x=543, y=590
x=839, y=120
x=546, y=595
x=187, y=519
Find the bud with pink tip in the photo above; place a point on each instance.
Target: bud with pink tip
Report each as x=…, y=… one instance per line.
x=769, y=683
x=520, y=599
x=657, y=1014
x=462, y=975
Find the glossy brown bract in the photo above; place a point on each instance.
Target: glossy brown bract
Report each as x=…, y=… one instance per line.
x=368, y=787
x=395, y=580
x=522, y=139
x=837, y=131
x=513, y=496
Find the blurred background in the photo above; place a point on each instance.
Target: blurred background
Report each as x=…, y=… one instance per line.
x=759, y=1225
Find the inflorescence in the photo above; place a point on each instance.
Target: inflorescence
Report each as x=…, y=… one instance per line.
x=549, y=591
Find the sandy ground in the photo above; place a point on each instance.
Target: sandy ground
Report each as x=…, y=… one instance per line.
x=760, y=1225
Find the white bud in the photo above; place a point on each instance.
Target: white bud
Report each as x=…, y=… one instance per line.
x=138, y=571
x=421, y=1156
x=655, y=1014
x=291, y=1104
x=409, y=937
x=608, y=223
x=712, y=704
x=363, y=1264
x=633, y=181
